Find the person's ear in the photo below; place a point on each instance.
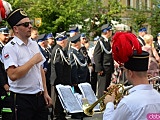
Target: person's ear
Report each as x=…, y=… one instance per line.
x=130, y=73
x=15, y=29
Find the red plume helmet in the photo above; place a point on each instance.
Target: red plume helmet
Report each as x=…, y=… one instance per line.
x=5, y=9
x=123, y=45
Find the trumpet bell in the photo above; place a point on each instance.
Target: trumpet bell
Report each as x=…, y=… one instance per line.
x=86, y=108
x=89, y=112
x=118, y=89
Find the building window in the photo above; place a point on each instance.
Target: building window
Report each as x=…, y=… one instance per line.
x=137, y=4
x=128, y=3
x=146, y=4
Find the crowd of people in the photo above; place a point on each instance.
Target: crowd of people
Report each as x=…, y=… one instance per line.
x=32, y=65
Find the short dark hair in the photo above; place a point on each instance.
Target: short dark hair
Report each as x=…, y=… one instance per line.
x=34, y=29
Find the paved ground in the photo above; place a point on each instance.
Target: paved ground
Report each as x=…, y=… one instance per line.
x=96, y=116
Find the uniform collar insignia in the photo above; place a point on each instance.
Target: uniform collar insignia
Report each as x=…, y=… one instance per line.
x=12, y=43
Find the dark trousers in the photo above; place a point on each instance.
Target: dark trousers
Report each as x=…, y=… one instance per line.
x=29, y=107
x=94, y=79
x=103, y=82
x=1, y=102
x=59, y=110
x=4, y=102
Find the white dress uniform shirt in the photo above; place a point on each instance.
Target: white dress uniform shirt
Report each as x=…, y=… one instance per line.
x=141, y=101
x=90, y=54
x=17, y=53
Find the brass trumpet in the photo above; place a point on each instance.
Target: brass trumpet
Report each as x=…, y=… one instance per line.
x=119, y=92
x=153, y=80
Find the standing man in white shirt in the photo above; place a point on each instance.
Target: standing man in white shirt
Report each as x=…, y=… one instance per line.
x=142, y=103
x=23, y=64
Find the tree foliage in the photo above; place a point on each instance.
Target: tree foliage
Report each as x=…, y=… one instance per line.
x=138, y=17
x=58, y=15
x=154, y=19
x=146, y=16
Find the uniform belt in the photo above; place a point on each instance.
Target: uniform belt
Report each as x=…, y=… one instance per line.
x=37, y=94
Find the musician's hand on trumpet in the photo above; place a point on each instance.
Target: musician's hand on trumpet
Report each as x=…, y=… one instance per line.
x=109, y=98
x=114, y=95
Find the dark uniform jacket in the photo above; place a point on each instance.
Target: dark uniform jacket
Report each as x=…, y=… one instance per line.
x=141, y=41
x=83, y=50
x=60, y=70
x=103, y=61
x=78, y=73
x=3, y=74
x=46, y=67
x=157, y=47
x=49, y=52
x=46, y=55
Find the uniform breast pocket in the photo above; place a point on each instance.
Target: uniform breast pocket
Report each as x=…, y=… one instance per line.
x=23, y=58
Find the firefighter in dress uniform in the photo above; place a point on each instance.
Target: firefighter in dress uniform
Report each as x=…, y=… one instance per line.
x=51, y=42
x=4, y=86
x=104, y=64
x=83, y=50
x=60, y=71
x=43, y=44
x=79, y=68
x=141, y=33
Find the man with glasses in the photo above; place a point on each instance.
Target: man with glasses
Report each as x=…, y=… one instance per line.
x=23, y=64
x=104, y=64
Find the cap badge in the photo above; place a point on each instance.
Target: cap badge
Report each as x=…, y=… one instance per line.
x=23, y=13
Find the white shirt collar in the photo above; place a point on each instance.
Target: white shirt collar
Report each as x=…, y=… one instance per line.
x=105, y=39
x=141, y=87
x=20, y=42
x=74, y=48
x=49, y=46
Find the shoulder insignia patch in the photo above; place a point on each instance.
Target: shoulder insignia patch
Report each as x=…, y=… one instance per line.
x=12, y=43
